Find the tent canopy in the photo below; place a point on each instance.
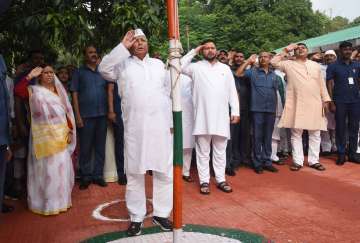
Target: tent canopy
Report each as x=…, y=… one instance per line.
x=331, y=40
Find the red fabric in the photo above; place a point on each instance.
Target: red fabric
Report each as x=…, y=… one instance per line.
x=20, y=89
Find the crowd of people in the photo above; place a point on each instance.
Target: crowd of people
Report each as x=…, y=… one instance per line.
x=251, y=112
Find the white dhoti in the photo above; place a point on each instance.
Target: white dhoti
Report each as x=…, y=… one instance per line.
x=187, y=161
x=203, y=143
x=275, y=140
x=328, y=137
x=136, y=199
x=276, y=132
x=297, y=146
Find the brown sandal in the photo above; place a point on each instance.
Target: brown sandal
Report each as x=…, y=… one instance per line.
x=205, y=188
x=318, y=166
x=224, y=186
x=188, y=178
x=295, y=167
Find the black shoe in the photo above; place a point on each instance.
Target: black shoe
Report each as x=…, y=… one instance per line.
x=12, y=195
x=122, y=180
x=84, y=184
x=230, y=172
x=164, y=223
x=100, y=182
x=134, y=229
x=355, y=158
x=7, y=208
x=258, y=170
x=325, y=153
x=270, y=168
x=341, y=159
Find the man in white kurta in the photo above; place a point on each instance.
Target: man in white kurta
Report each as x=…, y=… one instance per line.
x=187, y=124
x=213, y=91
x=146, y=107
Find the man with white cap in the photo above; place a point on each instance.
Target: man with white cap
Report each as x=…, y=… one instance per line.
x=328, y=137
x=145, y=96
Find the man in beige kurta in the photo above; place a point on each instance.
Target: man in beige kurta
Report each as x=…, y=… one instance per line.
x=306, y=100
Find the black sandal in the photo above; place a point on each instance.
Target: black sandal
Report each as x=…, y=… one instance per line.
x=224, y=186
x=205, y=188
x=295, y=167
x=318, y=166
x=187, y=178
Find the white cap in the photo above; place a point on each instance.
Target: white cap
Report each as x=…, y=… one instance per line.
x=138, y=33
x=330, y=52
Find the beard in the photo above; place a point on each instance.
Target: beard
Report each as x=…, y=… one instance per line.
x=210, y=58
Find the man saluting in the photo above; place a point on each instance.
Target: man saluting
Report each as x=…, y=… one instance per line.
x=145, y=97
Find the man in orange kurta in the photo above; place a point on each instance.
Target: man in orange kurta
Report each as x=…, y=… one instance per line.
x=306, y=101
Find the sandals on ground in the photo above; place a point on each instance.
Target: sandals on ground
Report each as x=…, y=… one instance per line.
x=187, y=178
x=295, y=167
x=205, y=188
x=318, y=166
x=224, y=186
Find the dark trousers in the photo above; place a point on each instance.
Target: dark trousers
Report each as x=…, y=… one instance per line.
x=245, y=137
x=351, y=112
x=92, y=138
x=233, y=148
x=2, y=173
x=263, y=123
x=119, y=146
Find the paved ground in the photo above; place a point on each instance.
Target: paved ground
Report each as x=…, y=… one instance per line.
x=304, y=206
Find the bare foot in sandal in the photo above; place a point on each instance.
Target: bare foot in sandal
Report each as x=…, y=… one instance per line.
x=224, y=186
x=318, y=166
x=205, y=188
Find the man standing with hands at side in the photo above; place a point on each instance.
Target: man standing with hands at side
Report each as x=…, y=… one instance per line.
x=343, y=86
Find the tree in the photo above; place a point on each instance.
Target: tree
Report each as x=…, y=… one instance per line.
x=65, y=27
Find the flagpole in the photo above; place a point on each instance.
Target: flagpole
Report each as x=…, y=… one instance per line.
x=175, y=68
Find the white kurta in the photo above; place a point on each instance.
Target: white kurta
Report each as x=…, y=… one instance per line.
x=146, y=107
x=213, y=91
x=187, y=112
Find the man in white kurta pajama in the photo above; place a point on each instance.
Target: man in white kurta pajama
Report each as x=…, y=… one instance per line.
x=213, y=91
x=187, y=124
x=146, y=106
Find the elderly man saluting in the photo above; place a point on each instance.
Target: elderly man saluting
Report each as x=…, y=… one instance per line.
x=145, y=96
x=307, y=100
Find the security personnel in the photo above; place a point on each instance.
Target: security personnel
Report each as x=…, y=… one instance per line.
x=343, y=86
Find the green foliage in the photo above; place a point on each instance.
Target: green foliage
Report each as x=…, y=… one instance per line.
x=63, y=28
x=253, y=25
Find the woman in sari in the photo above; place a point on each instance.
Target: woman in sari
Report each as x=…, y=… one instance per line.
x=52, y=141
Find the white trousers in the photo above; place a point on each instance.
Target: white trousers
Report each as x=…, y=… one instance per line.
x=297, y=146
x=274, y=149
x=203, y=143
x=187, y=161
x=136, y=199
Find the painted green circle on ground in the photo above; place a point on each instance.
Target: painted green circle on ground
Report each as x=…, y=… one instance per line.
x=193, y=233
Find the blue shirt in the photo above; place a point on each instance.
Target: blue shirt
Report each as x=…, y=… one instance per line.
x=92, y=94
x=4, y=106
x=343, y=91
x=263, y=97
x=116, y=100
